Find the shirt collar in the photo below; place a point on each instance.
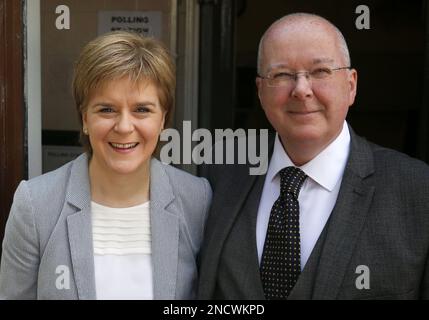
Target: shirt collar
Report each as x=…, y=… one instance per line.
x=326, y=168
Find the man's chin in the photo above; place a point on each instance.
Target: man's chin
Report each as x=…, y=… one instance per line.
x=307, y=134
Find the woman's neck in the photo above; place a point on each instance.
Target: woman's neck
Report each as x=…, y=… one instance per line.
x=119, y=190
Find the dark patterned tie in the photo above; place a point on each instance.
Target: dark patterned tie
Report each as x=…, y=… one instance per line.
x=281, y=259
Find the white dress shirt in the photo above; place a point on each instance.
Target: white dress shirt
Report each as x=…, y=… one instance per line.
x=318, y=193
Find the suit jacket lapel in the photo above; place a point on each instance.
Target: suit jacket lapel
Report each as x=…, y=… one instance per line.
x=250, y=260
x=222, y=217
x=79, y=226
x=165, y=233
x=347, y=220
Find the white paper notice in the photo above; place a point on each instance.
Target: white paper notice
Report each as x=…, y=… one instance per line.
x=147, y=23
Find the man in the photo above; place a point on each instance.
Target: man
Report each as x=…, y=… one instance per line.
x=335, y=216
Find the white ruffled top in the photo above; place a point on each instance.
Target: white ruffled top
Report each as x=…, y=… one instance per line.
x=121, y=231
x=122, y=252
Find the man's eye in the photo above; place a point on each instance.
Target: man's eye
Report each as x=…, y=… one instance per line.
x=283, y=75
x=321, y=72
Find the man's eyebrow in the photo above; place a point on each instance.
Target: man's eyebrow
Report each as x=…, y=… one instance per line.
x=322, y=60
x=277, y=66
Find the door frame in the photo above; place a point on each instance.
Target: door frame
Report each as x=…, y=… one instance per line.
x=12, y=105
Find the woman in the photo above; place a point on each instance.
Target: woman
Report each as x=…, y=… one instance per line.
x=115, y=223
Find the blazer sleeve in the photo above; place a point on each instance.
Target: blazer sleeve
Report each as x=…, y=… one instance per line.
x=208, y=194
x=20, y=255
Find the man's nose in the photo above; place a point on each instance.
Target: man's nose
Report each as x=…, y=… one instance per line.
x=124, y=123
x=303, y=86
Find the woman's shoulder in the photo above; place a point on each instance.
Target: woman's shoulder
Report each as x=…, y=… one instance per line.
x=183, y=182
x=57, y=176
x=179, y=174
x=192, y=197
x=54, y=183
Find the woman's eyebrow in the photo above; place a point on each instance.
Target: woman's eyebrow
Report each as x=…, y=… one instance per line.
x=145, y=103
x=103, y=104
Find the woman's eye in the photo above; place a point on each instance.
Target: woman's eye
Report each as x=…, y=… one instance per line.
x=142, y=109
x=106, y=110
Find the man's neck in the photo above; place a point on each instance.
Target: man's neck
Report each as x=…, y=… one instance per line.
x=303, y=152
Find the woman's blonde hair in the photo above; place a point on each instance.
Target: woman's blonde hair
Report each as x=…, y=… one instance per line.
x=118, y=54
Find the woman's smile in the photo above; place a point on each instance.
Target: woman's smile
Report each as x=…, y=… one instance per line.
x=123, y=148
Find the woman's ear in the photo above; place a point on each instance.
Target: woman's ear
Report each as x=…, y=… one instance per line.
x=85, y=122
x=164, y=114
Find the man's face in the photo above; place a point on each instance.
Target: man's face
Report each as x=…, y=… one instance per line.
x=306, y=112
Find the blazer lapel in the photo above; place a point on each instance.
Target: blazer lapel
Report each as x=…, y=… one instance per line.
x=79, y=226
x=165, y=233
x=223, y=213
x=346, y=221
x=250, y=260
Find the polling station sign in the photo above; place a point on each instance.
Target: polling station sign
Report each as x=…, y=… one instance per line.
x=147, y=23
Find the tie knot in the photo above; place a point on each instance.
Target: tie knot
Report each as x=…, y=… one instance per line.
x=291, y=180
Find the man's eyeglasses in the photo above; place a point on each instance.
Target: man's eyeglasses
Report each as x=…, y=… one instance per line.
x=283, y=78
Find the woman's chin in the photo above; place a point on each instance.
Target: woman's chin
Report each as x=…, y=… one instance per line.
x=126, y=168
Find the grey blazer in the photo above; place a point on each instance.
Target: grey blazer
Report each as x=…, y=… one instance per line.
x=377, y=234
x=50, y=226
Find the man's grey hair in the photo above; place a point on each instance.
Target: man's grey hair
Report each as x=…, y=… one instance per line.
x=309, y=16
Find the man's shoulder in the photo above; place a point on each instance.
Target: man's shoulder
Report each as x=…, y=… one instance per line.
x=383, y=160
x=398, y=163
x=399, y=176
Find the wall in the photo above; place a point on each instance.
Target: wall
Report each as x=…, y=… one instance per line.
x=60, y=49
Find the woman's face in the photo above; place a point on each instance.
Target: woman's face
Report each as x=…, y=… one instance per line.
x=124, y=120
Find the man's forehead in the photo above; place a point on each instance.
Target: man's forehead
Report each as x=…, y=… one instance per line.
x=322, y=45
x=312, y=24
x=312, y=62
x=287, y=32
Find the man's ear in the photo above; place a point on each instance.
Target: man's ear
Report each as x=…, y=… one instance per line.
x=258, y=82
x=352, y=85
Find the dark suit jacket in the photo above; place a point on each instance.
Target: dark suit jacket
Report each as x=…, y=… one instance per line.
x=380, y=220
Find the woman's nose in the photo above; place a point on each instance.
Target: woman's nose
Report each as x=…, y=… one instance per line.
x=124, y=123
